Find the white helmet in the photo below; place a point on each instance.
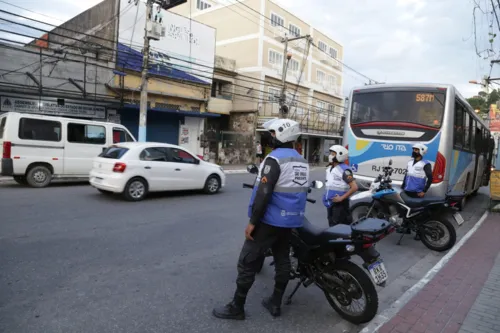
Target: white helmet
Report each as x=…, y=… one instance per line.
x=286, y=130
x=421, y=147
x=342, y=152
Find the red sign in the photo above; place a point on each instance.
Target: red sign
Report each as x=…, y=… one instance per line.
x=494, y=118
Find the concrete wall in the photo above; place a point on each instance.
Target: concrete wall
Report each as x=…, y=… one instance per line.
x=100, y=22
x=55, y=71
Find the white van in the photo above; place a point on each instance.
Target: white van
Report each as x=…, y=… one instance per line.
x=36, y=148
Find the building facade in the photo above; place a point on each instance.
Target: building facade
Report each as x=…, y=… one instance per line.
x=252, y=32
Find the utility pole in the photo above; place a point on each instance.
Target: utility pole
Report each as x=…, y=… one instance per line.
x=286, y=59
x=143, y=109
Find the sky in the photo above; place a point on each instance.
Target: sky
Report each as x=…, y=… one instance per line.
x=386, y=40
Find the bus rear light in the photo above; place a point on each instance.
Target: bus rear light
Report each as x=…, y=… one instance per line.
x=7, y=149
x=439, y=169
x=347, y=160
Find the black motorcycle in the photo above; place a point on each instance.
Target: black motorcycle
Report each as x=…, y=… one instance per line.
x=427, y=217
x=321, y=256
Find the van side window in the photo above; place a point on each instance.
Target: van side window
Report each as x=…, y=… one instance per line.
x=119, y=135
x=39, y=129
x=90, y=134
x=2, y=126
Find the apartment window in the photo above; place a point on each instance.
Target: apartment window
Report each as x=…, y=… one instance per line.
x=333, y=52
x=293, y=65
x=331, y=108
x=277, y=21
x=274, y=94
x=291, y=99
x=321, y=106
x=89, y=134
x=294, y=30
x=275, y=58
x=202, y=5
x=322, y=46
x=320, y=76
x=37, y=129
x=332, y=80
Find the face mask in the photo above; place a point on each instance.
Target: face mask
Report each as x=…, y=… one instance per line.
x=330, y=159
x=415, y=155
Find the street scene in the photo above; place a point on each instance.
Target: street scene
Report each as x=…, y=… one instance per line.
x=256, y=166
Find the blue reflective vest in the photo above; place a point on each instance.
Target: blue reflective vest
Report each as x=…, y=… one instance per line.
x=335, y=184
x=287, y=206
x=415, y=176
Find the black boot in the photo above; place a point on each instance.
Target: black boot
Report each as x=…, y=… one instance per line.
x=273, y=303
x=233, y=310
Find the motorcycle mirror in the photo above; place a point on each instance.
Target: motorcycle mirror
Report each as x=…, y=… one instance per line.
x=317, y=184
x=252, y=168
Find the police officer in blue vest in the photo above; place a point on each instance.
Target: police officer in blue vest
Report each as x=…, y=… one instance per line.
x=418, y=178
x=340, y=185
x=277, y=205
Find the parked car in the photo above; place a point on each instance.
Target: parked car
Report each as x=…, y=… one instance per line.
x=37, y=148
x=134, y=169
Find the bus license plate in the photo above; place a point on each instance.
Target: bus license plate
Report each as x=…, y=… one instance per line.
x=378, y=272
x=458, y=217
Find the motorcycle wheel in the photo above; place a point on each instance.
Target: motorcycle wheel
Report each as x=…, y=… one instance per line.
x=356, y=287
x=430, y=240
x=360, y=210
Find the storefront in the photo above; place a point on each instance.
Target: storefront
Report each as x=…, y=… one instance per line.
x=183, y=128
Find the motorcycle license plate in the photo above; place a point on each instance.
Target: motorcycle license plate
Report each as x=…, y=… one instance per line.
x=458, y=217
x=378, y=272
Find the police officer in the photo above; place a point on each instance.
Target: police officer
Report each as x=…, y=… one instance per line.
x=277, y=205
x=340, y=185
x=418, y=178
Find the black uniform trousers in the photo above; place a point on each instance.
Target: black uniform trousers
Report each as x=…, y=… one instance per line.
x=338, y=213
x=265, y=237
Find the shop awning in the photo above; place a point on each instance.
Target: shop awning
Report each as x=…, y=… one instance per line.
x=179, y=112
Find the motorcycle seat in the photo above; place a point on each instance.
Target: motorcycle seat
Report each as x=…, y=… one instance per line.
x=313, y=235
x=421, y=202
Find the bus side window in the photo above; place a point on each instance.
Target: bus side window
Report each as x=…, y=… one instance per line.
x=458, y=138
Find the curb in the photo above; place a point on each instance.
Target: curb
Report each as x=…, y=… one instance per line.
x=393, y=310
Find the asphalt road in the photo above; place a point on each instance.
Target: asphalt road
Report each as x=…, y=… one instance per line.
x=73, y=260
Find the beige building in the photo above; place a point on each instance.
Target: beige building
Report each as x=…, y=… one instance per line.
x=252, y=33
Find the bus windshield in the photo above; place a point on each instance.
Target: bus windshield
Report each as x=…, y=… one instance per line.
x=418, y=107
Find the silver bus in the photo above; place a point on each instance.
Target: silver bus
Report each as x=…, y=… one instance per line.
x=384, y=121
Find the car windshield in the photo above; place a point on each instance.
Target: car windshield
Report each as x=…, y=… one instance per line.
x=418, y=107
x=114, y=152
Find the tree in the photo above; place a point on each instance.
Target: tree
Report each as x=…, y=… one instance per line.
x=483, y=100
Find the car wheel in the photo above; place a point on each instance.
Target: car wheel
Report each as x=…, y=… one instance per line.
x=212, y=185
x=135, y=190
x=39, y=176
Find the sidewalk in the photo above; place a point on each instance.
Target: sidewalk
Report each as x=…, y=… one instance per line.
x=464, y=296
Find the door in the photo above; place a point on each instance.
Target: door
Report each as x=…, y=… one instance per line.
x=84, y=143
x=476, y=144
x=189, y=172
x=157, y=170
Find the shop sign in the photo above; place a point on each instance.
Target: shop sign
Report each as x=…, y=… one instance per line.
x=51, y=108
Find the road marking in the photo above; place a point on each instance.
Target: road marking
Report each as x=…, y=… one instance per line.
x=393, y=310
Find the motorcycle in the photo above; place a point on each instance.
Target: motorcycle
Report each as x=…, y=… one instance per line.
x=321, y=256
x=427, y=216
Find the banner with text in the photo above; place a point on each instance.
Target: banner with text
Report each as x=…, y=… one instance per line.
x=51, y=108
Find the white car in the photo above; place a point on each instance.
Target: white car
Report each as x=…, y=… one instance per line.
x=136, y=168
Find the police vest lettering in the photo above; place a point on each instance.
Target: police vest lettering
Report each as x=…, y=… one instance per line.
x=415, y=176
x=288, y=203
x=335, y=184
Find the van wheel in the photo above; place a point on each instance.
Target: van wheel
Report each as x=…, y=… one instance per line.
x=39, y=176
x=21, y=180
x=135, y=190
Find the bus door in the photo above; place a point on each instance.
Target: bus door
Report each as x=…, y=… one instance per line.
x=476, y=141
